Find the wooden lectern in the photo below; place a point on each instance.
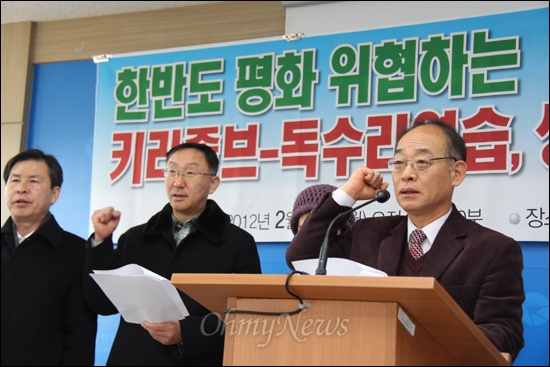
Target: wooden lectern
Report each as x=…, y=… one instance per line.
x=350, y=320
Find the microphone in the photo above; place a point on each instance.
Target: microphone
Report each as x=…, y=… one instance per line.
x=381, y=196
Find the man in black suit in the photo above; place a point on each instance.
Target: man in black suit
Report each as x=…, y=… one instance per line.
x=45, y=318
x=479, y=267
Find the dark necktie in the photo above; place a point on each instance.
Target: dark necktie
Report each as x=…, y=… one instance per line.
x=417, y=237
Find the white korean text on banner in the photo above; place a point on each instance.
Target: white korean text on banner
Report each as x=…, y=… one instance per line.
x=286, y=115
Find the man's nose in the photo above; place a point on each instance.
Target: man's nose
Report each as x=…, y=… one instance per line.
x=22, y=187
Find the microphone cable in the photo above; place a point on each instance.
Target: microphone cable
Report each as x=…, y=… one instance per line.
x=302, y=306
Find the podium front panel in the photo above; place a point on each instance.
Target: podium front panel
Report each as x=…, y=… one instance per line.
x=333, y=333
x=421, y=297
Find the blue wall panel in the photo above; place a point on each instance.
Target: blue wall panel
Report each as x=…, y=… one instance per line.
x=62, y=124
x=535, y=307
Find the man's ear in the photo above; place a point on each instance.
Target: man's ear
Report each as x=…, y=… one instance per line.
x=459, y=172
x=214, y=183
x=56, y=191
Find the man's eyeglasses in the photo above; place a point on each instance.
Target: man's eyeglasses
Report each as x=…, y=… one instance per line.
x=420, y=163
x=173, y=173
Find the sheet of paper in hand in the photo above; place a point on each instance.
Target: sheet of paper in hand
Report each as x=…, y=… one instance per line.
x=141, y=295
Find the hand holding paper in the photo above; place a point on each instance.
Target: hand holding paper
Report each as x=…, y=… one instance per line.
x=141, y=295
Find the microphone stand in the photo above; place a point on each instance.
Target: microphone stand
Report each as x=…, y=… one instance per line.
x=381, y=196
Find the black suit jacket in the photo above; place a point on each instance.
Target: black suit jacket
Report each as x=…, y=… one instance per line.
x=45, y=319
x=480, y=268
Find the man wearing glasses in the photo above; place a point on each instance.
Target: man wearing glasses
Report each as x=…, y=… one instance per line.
x=480, y=268
x=191, y=234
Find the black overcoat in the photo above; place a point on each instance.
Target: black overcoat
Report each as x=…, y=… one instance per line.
x=217, y=246
x=45, y=319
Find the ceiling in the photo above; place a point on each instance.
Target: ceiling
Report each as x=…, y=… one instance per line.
x=43, y=11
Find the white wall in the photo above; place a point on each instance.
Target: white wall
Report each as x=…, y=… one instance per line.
x=325, y=17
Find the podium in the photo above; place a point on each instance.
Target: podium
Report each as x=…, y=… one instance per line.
x=349, y=320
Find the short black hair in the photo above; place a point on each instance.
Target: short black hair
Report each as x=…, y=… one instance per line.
x=456, y=147
x=209, y=154
x=54, y=168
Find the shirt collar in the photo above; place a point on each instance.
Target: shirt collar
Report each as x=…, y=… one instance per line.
x=23, y=238
x=431, y=230
x=175, y=221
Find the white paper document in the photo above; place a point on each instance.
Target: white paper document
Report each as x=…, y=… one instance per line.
x=141, y=295
x=338, y=266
